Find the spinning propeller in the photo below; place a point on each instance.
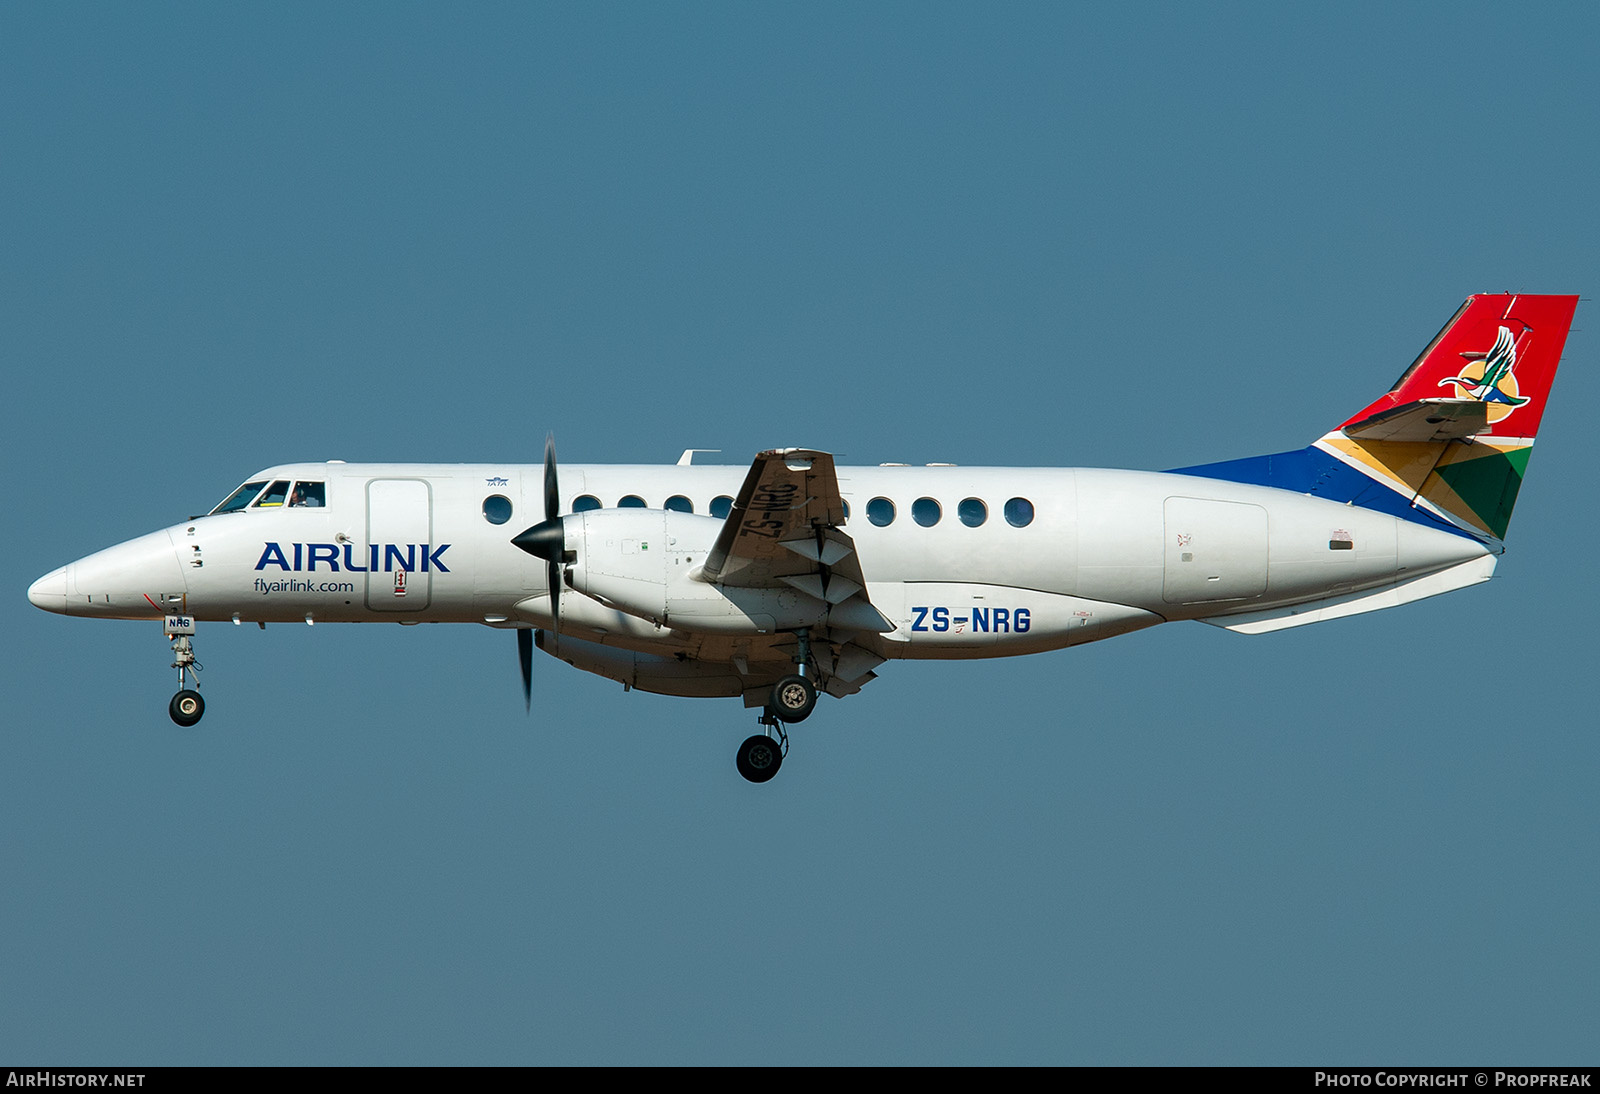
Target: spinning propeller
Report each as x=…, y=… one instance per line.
x=546, y=540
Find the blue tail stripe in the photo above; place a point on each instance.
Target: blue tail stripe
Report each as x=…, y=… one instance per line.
x=1312, y=471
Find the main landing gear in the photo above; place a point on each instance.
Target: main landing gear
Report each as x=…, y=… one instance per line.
x=792, y=699
x=187, y=706
x=760, y=756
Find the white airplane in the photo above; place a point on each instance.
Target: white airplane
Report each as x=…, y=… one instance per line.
x=797, y=577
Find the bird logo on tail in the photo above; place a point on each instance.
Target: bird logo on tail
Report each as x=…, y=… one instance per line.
x=1489, y=378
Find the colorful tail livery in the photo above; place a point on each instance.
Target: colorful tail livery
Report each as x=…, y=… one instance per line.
x=1449, y=443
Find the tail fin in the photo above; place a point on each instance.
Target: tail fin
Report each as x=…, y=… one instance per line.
x=1498, y=354
x=1456, y=430
x=1449, y=443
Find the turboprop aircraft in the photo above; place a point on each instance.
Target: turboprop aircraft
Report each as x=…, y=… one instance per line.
x=796, y=577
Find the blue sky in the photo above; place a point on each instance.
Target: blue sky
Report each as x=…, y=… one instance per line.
x=1148, y=236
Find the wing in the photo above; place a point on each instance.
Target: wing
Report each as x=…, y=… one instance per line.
x=787, y=529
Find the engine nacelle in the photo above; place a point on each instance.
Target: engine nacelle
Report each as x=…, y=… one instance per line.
x=647, y=562
x=645, y=671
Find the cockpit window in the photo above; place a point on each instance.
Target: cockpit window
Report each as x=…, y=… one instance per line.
x=240, y=497
x=308, y=495
x=274, y=496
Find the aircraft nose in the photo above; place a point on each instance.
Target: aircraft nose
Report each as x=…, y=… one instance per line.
x=50, y=591
x=129, y=581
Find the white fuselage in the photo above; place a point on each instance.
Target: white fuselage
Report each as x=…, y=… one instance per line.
x=1104, y=552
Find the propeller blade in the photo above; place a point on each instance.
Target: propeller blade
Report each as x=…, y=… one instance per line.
x=547, y=539
x=525, y=655
x=553, y=576
x=552, y=494
x=552, y=512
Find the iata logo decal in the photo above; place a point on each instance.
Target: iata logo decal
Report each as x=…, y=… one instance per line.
x=1489, y=378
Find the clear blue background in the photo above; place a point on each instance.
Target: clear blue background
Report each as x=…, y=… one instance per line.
x=1133, y=235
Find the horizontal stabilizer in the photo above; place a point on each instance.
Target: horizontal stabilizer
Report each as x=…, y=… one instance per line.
x=1424, y=420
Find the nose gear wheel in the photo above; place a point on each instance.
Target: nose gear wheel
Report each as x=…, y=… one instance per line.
x=186, y=707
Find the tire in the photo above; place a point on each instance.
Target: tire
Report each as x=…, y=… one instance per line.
x=186, y=707
x=759, y=758
x=792, y=700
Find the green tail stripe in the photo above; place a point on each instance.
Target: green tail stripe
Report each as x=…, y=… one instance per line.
x=1488, y=485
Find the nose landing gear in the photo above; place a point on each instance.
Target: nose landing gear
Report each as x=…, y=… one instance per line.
x=187, y=706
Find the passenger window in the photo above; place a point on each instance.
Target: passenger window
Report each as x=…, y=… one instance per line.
x=583, y=503
x=926, y=512
x=721, y=506
x=308, y=495
x=680, y=504
x=1019, y=512
x=496, y=508
x=240, y=497
x=846, y=508
x=632, y=501
x=880, y=511
x=972, y=512
x=275, y=496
